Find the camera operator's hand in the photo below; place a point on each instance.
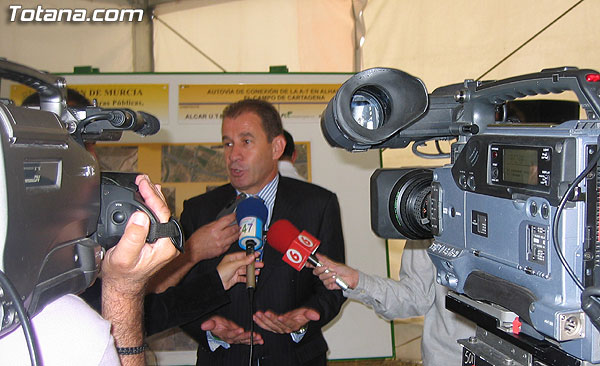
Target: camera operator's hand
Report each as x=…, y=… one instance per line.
x=129, y=265
x=336, y=270
x=126, y=269
x=232, y=268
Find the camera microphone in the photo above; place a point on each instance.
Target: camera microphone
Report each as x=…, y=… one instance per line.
x=251, y=215
x=297, y=247
x=103, y=124
x=140, y=122
x=118, y=118
x=149, y=124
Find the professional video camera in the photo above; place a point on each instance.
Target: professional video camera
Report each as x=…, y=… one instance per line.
x=58, y=213
x=514, y=217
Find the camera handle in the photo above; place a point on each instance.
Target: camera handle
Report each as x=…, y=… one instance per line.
x=51, y=88
x=585, y=83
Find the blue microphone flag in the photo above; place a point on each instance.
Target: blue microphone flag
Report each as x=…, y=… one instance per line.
x=251, y=215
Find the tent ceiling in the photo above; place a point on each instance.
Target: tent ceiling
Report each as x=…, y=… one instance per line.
x=153, y=3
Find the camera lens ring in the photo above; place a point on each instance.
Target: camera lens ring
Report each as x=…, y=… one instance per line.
x=409, y=204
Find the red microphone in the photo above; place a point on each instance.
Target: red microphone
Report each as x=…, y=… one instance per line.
x=297, y=247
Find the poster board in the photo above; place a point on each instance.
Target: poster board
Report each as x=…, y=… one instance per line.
x=189, y=107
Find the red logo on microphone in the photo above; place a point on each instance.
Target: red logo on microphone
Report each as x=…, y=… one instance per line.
x=294, y=256
x=306, y=240
x=300, y=249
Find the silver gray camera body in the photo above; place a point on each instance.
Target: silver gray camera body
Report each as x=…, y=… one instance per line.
x=493, y=214
x=514, y=217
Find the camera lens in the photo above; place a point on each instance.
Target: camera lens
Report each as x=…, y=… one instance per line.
x=369, y=107
x=409, y=204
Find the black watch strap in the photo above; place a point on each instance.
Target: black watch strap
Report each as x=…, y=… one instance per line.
x=132, y=350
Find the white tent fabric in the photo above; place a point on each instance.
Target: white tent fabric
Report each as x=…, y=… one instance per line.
x=240, y=35
x=250, y=36
x=447, y=42
x=438, y=42
x=59, y=46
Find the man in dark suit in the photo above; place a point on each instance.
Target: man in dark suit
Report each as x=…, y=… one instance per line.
x=290, y=307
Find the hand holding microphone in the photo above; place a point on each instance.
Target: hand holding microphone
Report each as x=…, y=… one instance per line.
x=251, y=215
x=232, y=268
x=332, y=270
x=297, y=247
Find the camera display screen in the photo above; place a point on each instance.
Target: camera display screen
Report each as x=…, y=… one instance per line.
x=42, y=174
x=521, y=166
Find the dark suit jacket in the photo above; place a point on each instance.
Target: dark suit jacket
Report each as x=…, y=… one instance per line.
x=280, y=288
x=198, y=297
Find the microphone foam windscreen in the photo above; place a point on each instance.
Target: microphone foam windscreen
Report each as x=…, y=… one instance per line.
x=281, y=234
x=151, y=124
x=251, y=206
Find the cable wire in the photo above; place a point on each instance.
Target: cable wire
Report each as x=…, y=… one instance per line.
x=251, y=298
x=439, y=155
x=591, y=164
x=30, y=337
x=529, y=40
x=189, y=43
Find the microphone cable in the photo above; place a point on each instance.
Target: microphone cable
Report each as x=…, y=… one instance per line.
x=251, y=285
x=251, y=299
x=593, y=160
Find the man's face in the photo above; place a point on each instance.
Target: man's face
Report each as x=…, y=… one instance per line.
x=251, y=159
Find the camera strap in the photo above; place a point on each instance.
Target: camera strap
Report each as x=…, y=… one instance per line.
x=170, y=229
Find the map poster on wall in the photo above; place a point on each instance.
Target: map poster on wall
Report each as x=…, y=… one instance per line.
x=201, y=103
x=150, y=98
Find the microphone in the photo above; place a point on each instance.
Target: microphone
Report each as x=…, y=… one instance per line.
x=251, y=215
x=148, y=122
x=297, y=247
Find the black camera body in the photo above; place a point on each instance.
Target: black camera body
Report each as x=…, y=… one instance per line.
x=52, y=194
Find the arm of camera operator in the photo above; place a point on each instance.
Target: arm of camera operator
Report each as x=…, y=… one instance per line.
x=209, y=241
x=413, y=294
x=126, y=269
